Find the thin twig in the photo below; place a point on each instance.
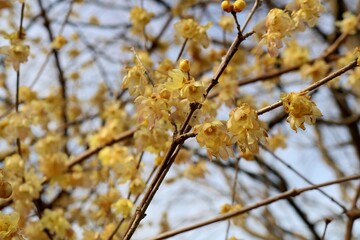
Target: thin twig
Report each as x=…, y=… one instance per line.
x=352, y=218
x=302, y=177
x=17, y=98
x=313, y=86
x=248, y=18
x=233, y=194
x=327, y=221
x=90, y=152
x=290, y=193
x=182, y=49
x=147, y=74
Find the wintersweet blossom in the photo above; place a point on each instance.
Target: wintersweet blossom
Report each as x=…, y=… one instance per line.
x=349, y=24
x=244, y=124
x=59, y=42
x=305, y=12
x=214, y=137
x=9, y=225
x=300, y=109
x=190, y=29
x=123, y=206
x=139, y=17
x=16, y=53
x=227, y=23
x=278, y=25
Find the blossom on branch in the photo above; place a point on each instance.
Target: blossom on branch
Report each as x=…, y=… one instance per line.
x=300, y=109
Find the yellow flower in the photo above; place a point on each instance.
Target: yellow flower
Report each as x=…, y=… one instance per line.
x=227, y=23
x=186, y=28
x=135, y=81
x=349, y=24
x=277, y=141
x=139, y=18
x=137, y=186
x=193, y=91
x=177, y=79
x=295, y=55
x=189, y=29
x=316, y=71
x=279, y=21
x=244, y=124
x=196, y=170
x=16, y=126
x=214, y=137
x=354, y=81
x=16, y=53
x=55, y=222
x=52, y=165
x=278, y=25
x=8, y=225
x=306, y=11
x=300, y=109
x=26, y=94
x=59, y=42
x=227, y=208
x=123, y=207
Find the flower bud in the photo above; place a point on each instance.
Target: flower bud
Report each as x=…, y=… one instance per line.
x=227, y=6
x=184, y=65
x=239, y=5
x=5, y=189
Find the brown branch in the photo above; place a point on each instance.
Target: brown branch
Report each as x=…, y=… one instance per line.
x=268, y=76
x=303, y=177
x=17, y=98
x=313, y=86
x=265, y=202
x=175, y=146
x=90, y=152
x=61, y=77
x=353, y=214
x=327, y=222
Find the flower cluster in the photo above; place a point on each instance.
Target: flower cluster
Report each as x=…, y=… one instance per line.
x=189, y=88
x=118, y=159
x=135, y=80
x=17, y=52
x=139, y=18
x=214, y=137
x=316, y=70
x=349, y=24
x=9, y=226
x=281, y=23
x=300, y=109
x=295, y=55
x=244, y=124
x=227, y=23
x=278, y=24
x=196, y=170
x=305, y=12
x=123, y=206
x=55, y=222
x=190, y=29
